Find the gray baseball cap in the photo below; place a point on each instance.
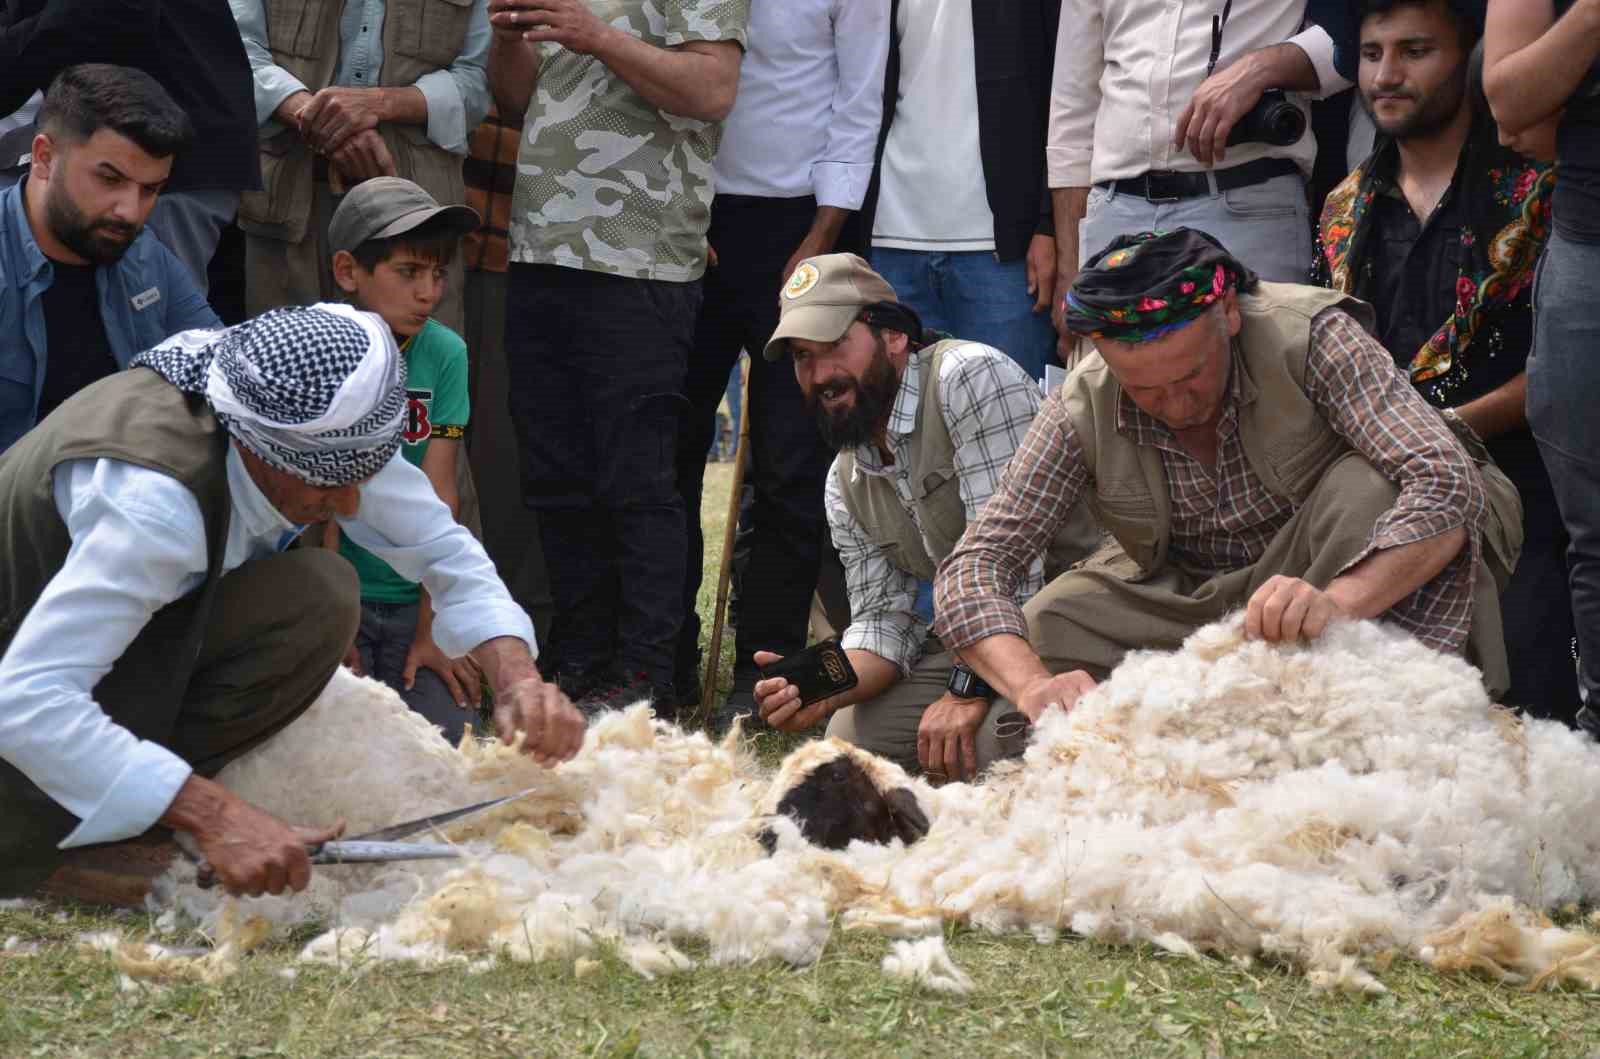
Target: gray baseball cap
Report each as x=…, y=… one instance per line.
x=384, y=207
x=823, y=298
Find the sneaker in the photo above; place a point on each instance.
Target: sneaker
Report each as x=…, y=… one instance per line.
x=621, y=691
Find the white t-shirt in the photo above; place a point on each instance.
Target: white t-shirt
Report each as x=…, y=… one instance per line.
x=933, y=194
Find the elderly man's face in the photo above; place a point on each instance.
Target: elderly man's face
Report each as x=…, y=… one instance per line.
x=1181, y=377
x=850, y=385
x=299, y=501
x=100, y=192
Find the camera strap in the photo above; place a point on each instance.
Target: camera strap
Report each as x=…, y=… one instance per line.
x=1217, y=24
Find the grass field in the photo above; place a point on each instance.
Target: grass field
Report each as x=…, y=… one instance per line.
x=1071, y=998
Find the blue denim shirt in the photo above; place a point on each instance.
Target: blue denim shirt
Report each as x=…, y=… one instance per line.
x=144, y=298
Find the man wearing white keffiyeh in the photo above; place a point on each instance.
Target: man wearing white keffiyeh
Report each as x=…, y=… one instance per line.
x=152, y=624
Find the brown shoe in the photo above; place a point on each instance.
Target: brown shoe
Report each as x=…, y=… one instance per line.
x=118, y=874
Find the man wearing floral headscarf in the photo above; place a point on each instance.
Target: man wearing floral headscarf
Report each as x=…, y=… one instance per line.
x=155, y=627
x=1250, y=445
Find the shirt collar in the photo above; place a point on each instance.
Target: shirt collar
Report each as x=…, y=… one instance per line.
x=902, y=418
x=1143, y=429
x=252, y=511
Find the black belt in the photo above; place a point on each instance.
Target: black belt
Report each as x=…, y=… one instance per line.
x=1166, y=185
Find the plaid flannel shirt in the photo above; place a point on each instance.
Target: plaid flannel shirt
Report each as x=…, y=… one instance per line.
x=1223, y=517
x=988, y=402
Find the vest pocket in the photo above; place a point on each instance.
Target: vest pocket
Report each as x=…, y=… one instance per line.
x=295, y=27
x=940, y=505
x=430, y=30
x=282, y=208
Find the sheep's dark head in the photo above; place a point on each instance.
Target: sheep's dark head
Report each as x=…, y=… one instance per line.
x=837, y=800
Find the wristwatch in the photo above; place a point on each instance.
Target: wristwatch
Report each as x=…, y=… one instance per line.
x=966, y=684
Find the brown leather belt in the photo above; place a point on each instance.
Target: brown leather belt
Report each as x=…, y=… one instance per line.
x=1166, y=185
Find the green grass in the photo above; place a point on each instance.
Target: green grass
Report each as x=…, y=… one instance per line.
x=1070, y=998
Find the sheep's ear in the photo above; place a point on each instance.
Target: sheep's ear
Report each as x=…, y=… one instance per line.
x=910, y=823
x=768, y=839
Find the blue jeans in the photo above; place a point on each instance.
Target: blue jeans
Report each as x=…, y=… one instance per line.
x=384, y=640
x=1563, y=383
x=973, y=295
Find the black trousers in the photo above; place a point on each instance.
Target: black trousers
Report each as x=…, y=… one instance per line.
x=1536, y=607
x=595, y=365
x=753, y=238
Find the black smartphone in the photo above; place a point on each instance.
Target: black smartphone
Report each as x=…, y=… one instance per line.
x=820, y=670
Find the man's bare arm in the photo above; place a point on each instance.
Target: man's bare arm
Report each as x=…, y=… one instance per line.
x=1533, y=62
x=1384, y=578
x=1502, y=409
x=1069, y=205
x=513, y=68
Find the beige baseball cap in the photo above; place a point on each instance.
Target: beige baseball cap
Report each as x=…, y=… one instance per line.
x=823, y=298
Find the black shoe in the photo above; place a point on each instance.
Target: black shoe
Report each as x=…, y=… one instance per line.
x=738, y=703
x=576, y=682
x=620, y=692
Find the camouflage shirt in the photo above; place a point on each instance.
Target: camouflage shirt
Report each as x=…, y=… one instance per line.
x=606, y=181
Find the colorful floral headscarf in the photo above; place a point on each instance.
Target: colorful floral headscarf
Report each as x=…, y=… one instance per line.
x=1146, y=285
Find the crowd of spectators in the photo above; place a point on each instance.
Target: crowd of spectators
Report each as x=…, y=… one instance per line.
x=909, y=214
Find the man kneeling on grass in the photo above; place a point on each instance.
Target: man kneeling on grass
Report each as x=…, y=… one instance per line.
x=924, y=425
x=1249, y=445
x=154, y=626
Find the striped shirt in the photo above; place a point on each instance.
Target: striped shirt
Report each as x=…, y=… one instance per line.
x=1224, y=517
x=988, y=404
x=489, y=175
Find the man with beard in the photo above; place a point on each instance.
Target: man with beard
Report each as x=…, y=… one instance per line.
x=83, y=288
x=924, y=425
x=1440, y=230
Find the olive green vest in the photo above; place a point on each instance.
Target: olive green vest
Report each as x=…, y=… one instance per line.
x=1286, y=441
x=419, y=37
x=135, y=416
x=936, y=493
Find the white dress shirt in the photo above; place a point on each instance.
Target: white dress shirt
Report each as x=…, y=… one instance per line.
x=989, y=403
x=139, y=543
x=457, y=97
x=1125, y=69
x=810, y=102
x=933, y=193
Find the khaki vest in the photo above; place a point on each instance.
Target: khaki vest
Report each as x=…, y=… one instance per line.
x=1287, y=442
x=140, y=418
x=936, y=493
x=419, y=37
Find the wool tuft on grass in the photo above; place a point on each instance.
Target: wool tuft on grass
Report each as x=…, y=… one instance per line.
x=1326, y=806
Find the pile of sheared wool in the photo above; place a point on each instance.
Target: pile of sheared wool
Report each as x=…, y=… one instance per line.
x=1329, y=806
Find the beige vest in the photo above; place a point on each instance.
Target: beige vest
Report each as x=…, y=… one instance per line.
x=936, y=493
x=1287, y=442
x=419, y=37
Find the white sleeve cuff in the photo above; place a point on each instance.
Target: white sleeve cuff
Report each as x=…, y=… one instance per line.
x=1318, y=46
x=447, y=114
x=274, y=84
x=1068, y=167
x=458, y=629
x=150, y=778
x=841, y=184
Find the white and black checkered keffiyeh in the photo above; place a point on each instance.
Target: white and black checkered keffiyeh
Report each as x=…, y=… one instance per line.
x=317, y=392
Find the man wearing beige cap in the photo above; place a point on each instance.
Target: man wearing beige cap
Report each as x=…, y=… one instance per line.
x=924, y=425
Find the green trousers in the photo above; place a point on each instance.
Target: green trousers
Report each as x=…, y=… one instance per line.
x=278, y=629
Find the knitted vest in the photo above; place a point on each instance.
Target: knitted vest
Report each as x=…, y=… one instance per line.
x=936, y=493
x=135, y=416
x=419, y=37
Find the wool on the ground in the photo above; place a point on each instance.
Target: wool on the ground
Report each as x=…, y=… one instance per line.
x=1329, y=806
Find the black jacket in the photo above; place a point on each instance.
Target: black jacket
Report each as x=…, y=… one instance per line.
x=192, y=47
x=1014, y=44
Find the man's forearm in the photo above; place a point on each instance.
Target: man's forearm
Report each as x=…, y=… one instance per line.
x=1531, y=68
x=826, y=226
x=1384, y=578
x=404, y=105
x=1500, y=410
x=505, y=660
x=1007, y=663
x=691, y=81
x=875, y=675
x=513, y=75
x=1283, y=66
x=1070, y=206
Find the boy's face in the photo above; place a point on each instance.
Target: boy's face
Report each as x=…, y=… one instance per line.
x=404, y=289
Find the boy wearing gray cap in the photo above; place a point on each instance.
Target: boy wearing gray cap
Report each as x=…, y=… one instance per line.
x=392, y=244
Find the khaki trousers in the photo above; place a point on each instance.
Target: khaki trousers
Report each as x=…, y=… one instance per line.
x=278, y=629
x=1089, y=619
x=279, y=273
x=887, y=725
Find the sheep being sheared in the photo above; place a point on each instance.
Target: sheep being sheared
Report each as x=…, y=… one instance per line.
x=1323, y=805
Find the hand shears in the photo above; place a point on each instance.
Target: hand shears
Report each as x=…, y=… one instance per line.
x=375, y=847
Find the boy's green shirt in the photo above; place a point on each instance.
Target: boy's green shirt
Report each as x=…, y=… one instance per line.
x=437, y=407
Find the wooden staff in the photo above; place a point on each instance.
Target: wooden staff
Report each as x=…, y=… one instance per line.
x=740, y=454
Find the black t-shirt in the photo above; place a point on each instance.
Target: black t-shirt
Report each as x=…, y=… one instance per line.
x=74, y=334
x=1576, y=201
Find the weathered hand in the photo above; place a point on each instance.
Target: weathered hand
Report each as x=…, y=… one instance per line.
x=1218, y=104
x=1061, y=691
x=363, y=157
x=553, y=726
x=947, y=737
x=247, y=849
x=1041, y=264
x=779, y=701
x=336, y=114
x=569, y=23
x=1287, y=608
